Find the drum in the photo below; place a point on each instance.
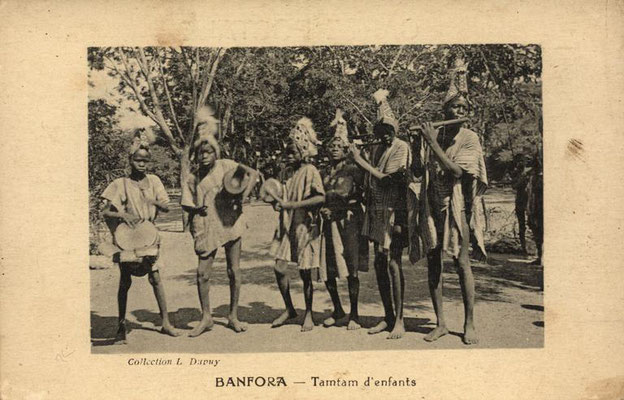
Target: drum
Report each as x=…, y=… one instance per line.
x=143, y=234
x=275, y=186
x=235, y=181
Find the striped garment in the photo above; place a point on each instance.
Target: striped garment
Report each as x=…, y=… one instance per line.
x=386, y=202
x=443, y=197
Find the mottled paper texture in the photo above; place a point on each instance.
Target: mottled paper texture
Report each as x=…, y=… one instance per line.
x=44, y=297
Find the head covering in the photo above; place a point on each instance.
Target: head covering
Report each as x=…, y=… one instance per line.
x=458, y=85
x=141, y=141
x=341, y=134
x=384, y=112
x=304, y=138
x=207, y=126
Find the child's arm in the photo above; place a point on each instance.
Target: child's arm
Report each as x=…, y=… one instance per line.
x=160, y=204
x=254, y=175
x=309, y=202
x=430, y=134
x=110, y=211
x=365, y=165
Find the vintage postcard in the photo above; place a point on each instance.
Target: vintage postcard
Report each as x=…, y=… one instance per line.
x=303, y=200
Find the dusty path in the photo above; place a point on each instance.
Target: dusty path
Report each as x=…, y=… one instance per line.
x=509, y=310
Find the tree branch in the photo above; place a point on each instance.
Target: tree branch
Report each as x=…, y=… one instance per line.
x=168, y=95
x=156, y=115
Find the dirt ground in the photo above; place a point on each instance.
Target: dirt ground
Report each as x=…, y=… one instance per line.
x=509, y=308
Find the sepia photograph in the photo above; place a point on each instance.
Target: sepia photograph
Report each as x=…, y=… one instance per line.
x=321, y=198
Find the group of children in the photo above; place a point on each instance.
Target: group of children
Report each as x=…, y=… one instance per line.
x=327, y=223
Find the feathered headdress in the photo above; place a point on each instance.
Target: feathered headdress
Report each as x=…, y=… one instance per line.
x=384, y=112
x=304, y=137
x=458, y=85
x=142, y=140
x=341, y=132
x=207, y=127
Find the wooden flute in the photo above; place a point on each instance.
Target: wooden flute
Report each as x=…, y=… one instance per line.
x=412, y=129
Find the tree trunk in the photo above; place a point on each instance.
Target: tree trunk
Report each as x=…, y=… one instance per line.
x=185, y=172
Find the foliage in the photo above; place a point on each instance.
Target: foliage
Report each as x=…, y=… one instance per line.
x=106, y=159
x=258, y=93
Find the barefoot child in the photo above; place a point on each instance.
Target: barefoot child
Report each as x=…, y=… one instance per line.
x=297, y=238
x=385, y=222
x=344, y=251
x=132, y=200
x=216, y=221
x=455, y=178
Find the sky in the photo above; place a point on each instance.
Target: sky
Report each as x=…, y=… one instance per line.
x=104, y=87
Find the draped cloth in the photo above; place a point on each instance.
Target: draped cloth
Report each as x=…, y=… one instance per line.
x=386, y=201
x=298, y=235
x=223, y=221
x=343, y=247
x=130, y=196
x=435, y=212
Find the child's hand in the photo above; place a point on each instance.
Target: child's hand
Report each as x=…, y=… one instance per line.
x=429, y=133
x=354, y=152
x=130, y=219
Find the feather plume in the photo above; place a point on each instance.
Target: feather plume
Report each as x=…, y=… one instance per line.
x=380, y=95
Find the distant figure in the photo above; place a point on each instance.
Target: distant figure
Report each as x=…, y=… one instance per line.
x=529, y=185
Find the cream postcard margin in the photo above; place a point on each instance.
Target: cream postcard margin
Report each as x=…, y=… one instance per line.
x=44, y=282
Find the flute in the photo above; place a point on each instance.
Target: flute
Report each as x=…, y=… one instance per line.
x=413, y=128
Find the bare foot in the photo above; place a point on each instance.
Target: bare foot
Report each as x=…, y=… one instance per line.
x=380, y=327
x=120, y=336
x=397, y=331
x=168, y=329
x=308, y=322
x=470, y=335
x=353, y=324
x=237, y=326
x=331, y=321
x=281, y=320
x=436, y=334
x=204, y=325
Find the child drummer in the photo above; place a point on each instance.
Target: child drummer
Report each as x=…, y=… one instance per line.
x=297, y=238
x=344, y=250
x=216, y=219
x=132, y=200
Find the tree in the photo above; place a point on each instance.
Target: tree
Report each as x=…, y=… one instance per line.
x=106, y=158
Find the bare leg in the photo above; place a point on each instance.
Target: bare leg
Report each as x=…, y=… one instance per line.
x=332, y=289
x=125, y=281
x=520, y=216
x=383, y=282
x=159, y=292
x=434, y=268
x=308, y=292
x=466, y=280
x=232, y=256
x=283, y=284
x=354, y=291
x=204, y=270
x=398, y=289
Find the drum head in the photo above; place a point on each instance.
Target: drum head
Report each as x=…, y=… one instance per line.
x=275, y=185
x=142, y=235
x=235, y=181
